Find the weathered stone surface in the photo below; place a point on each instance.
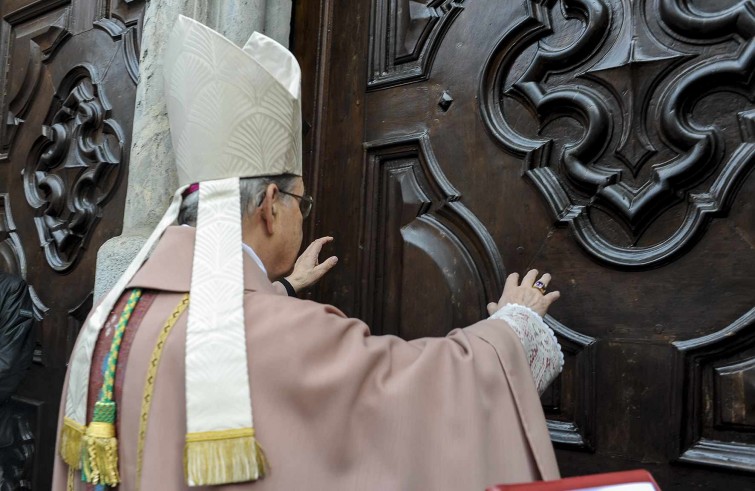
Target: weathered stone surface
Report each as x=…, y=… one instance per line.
x=237, y=19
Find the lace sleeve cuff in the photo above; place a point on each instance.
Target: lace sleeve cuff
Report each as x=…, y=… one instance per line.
x=541, y=348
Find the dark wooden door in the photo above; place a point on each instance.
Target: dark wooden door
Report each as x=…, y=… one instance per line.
x=609, y=142
x=68, y=86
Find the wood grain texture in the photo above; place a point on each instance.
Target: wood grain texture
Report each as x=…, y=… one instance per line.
x=607, y=142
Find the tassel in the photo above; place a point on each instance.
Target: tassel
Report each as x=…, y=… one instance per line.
x=70, y=442
x=99, y=457
x=223, y=457
x=100, y=453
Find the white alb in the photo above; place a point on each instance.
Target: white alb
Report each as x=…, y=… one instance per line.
x=541, y=348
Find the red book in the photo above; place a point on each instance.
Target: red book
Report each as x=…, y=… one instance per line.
x=637, y=480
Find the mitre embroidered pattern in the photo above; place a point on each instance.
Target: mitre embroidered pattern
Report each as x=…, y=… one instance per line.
x=226, y=107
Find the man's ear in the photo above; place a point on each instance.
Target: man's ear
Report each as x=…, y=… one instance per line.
x=270, y=207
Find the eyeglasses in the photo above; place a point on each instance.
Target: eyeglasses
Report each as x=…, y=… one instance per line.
x=305, y=202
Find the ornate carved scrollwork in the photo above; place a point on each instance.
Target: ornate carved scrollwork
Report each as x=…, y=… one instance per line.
x=74, y=169
x=405, y=37
x=638, y=149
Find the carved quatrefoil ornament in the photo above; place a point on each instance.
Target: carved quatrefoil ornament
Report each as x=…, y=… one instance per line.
x=74, y=168
x=643, y=148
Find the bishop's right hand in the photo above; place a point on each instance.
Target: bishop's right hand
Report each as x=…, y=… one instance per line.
x=529, y=293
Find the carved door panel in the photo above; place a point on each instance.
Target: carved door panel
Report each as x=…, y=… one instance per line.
x=609, y=142
x=67, y=102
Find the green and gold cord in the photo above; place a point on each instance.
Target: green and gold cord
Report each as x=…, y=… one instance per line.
x=100, y=450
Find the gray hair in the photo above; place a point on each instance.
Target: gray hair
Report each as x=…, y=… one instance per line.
x=252, y=190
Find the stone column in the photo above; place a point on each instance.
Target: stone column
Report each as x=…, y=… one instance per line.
x=152, y=175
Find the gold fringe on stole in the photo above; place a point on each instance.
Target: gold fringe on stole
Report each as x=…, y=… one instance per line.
x=221, y=457
x=100, y=460
x=71, y=436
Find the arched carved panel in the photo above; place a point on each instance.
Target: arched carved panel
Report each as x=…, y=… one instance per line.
x=569, y=403
x=74, y=168
x=406, y=35
x=630, y=143
x=417, y=236
x=717, y=378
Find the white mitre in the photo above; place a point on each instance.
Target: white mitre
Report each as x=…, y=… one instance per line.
x=234, y=113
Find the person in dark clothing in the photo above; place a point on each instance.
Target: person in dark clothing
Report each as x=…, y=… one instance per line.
x=16, y=333
x=16, y=350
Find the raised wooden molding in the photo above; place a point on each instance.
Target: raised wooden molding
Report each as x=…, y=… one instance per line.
x=408, y=202
x=405, y=36
x=707, y=436
x=605, y=81
x=578, y=377
x=118, y=30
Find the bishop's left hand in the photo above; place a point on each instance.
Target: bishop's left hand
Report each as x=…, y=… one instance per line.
x=308, y=269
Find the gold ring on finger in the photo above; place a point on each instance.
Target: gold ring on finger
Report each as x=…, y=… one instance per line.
x=539, y=285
